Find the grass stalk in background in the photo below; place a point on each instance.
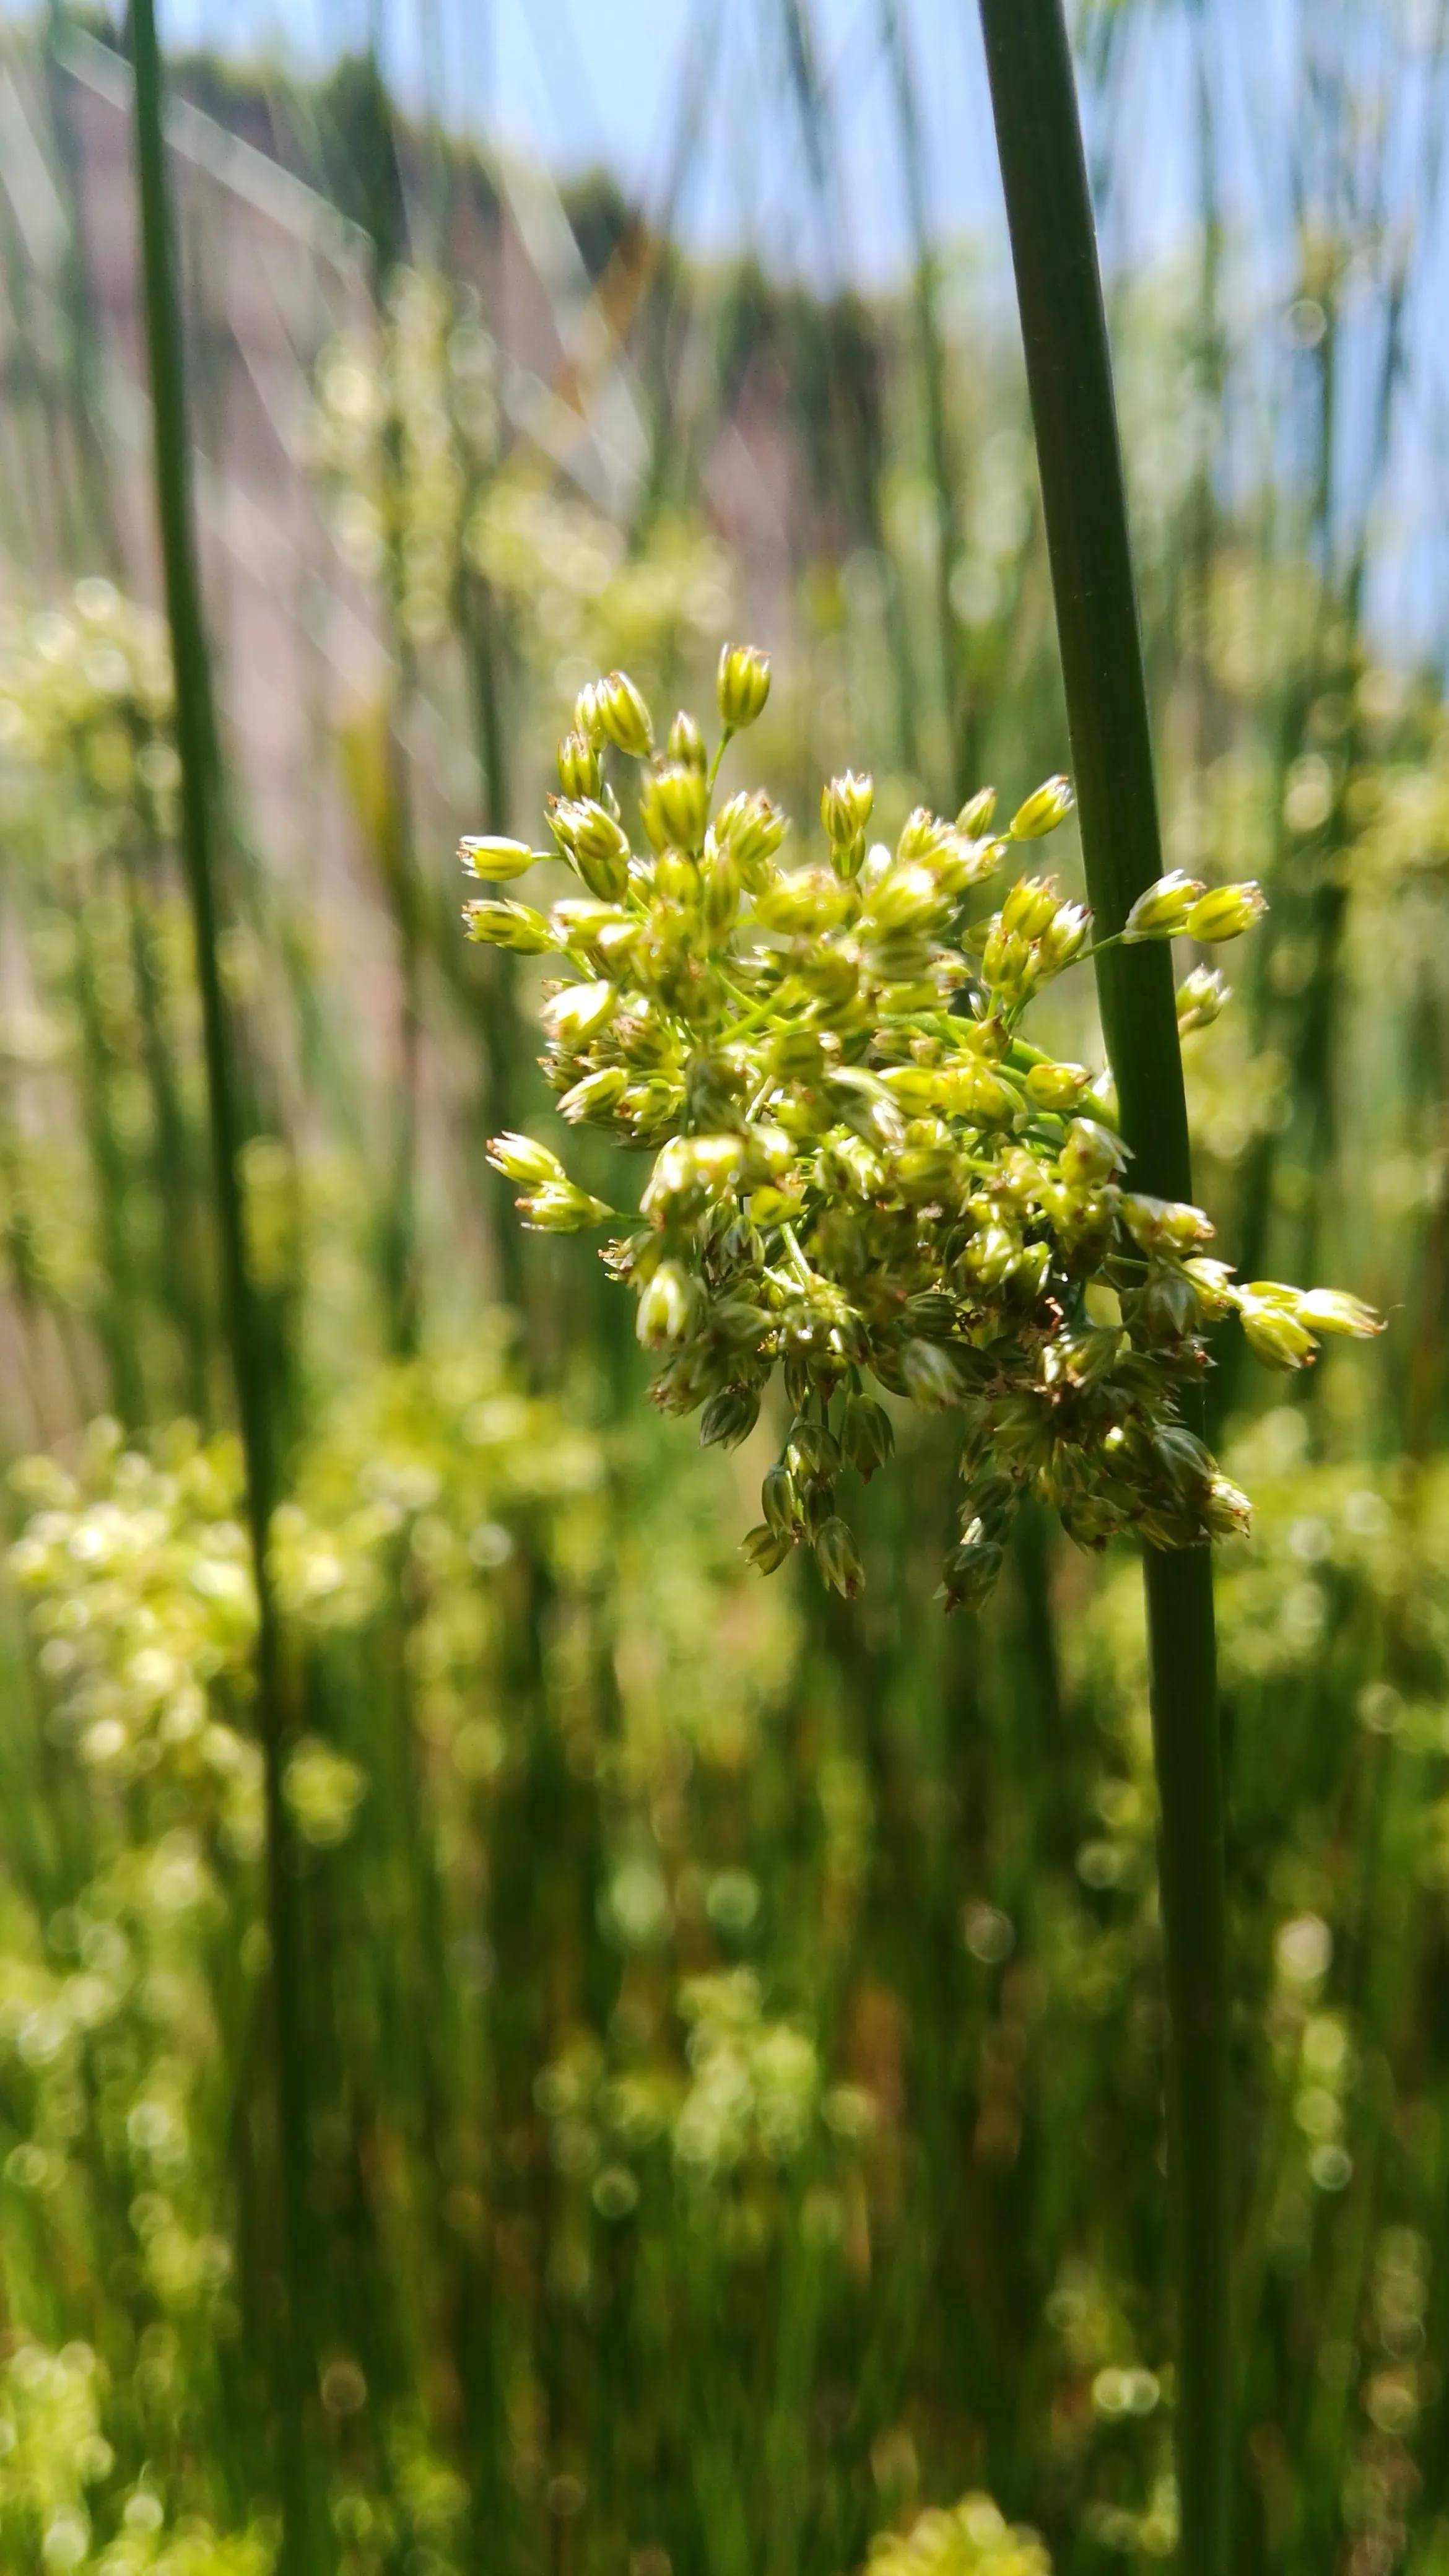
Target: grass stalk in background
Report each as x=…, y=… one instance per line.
x=197, y=748
x=1068, y=364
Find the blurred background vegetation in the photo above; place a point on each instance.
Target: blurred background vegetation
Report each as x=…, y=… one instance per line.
x=731, y=2017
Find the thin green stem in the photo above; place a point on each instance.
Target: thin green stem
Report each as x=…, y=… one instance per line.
x=196, y=742
x=1068, y=364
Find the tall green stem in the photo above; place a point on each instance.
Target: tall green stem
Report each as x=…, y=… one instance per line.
x=196, y=742
x=1064, y=329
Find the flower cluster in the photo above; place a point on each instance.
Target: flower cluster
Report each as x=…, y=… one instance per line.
x=862, y=1173
x=85, y=703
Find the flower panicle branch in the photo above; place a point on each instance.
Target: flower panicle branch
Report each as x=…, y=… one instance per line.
x=864, y=1179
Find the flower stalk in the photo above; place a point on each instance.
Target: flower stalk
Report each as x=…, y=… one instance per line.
x=197, y=749
x=1068, y=364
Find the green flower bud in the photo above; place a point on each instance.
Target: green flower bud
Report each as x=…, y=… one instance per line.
x=1273, y=1328
x=666, y=1308
x=1049, y=805
x=488, y=856
x=589, y=715
x=765, y=1549
x=974, y=818
x=729, y=1418
x=992, y=1256
x=752, y=829
x=578, y=1013
x=1065, y=937
x=835, y=1554
x=1056, y=1086
x=521, y=1159
x=929, y=1375
x=1226, y=1508
x=971, y=1572
x=867, y=1438
x=1091, y=1154
x=1162, y=911
x=674, y=807
x=597, y=1096
x=1030, y=907
x=1200, y=997
x=814, y=1451
x=562, y=1211
x=1164, y=1225
x=742, y=685
x=508, y=925
x=580, y=771
x=810, y=900
x=923, y=836
x=596, y=844
x=624, y=716
x=686, y=743
x=780, y=1500
x=1226, y=911
x=845, y=806
x=721, y=881
x=1328, y=1310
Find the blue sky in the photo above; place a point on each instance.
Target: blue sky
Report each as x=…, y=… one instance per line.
x=580, y=82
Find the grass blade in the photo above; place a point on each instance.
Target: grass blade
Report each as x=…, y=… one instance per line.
x=196, y=740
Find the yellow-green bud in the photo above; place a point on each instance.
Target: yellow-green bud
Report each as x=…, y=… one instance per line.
x=1056, y=1086
x=522, y=1160
x=596, y=842
x=562, y=1211
x=1065, y=936
x=580, y=770
x=623, y=715
x=1329, y=1310
x=1164, y=1225
x=1045, y=808
x=742, y=685
x=1030, y=907
x=845, y=805
x=1162, y=911
x=508, y=925
x=686, y=742
x=721, y=878
x=666, y=1307
x=495, y=859
x=1272, y=1326
x=1200, y=997
x=578, y=1013
x=674, y=806
x=597, y=1096
x=752, y=829
x=974, y=818
x=1091, y=1154
x=1226, y=912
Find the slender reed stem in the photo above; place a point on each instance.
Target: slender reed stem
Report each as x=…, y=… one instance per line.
x=1068, y=363
x=196, y=742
